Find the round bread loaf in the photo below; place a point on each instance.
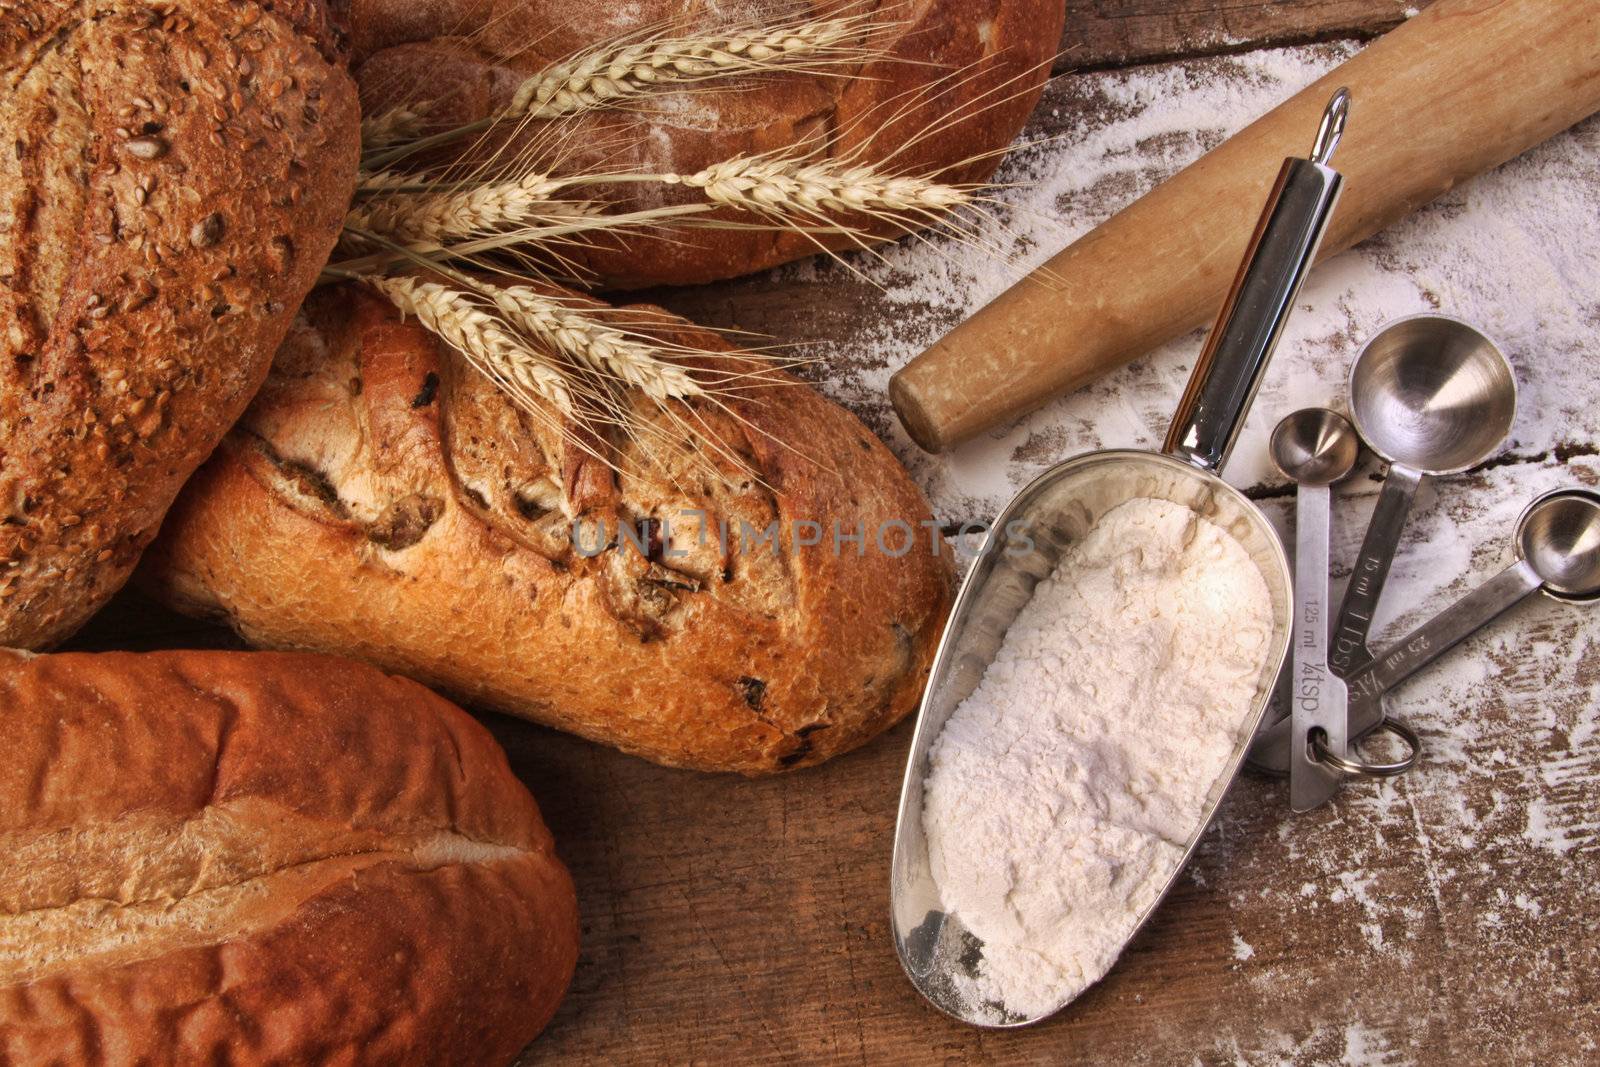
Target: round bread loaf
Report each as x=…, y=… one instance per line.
x=171, y=184
x=262, y=858
x=382, y=499
x=935, y=87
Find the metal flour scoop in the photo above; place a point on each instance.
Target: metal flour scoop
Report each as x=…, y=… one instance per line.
x=1056, y=510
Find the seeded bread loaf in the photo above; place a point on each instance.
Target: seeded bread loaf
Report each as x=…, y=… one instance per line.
x=172, y=181
x=230, y=857
x=934, y=87
x=381, y=499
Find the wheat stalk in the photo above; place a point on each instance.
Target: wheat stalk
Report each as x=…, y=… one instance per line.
x=466, y=219
x=794, y=190
x=479, y=336
x=623, y=71
x=609, y=75
x=593, y=344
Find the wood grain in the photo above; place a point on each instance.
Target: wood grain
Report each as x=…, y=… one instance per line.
x=1118, y=33
x=1455, y=92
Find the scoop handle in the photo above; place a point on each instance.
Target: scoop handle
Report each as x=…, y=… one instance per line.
x=1281, y=252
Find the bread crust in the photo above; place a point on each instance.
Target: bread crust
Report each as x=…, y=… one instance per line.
x=171, y=185
x=384, y=501
x=265, y=858
x=972, y=70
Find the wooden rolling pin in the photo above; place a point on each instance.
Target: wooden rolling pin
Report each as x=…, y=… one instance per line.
x=1461, y=88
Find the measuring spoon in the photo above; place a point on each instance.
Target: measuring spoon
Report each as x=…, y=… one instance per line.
x=1433, y=396
x=1314, y=447
x=1558, y=554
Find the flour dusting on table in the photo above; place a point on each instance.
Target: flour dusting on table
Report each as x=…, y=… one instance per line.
x=1492, y=846
x=1065, y=789
x=1514, y=251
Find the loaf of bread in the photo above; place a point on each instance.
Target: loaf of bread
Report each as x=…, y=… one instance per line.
x=382, y=499
x=934, y=87
x=242, y=858
x=171, y=184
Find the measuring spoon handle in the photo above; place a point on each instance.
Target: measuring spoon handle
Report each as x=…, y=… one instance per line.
x=1318, y=698
x=1433, y=639
x=1348, y=651
x=1271, y=749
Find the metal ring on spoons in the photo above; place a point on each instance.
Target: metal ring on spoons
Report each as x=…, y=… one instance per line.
x=1362, y=768
x=1558, y=554
x=1314, y=447
x=1433, y=396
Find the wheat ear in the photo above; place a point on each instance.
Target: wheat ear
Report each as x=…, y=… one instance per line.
x=614, y=74
x=478, y=209
x=592, y=343
x=390, y=128
x=370, y=182
x=476, y=334
x=775, y=185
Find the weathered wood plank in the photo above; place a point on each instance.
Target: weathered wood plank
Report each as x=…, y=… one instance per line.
x=1117, y=33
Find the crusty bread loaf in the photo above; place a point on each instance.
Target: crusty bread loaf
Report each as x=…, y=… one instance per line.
x=969, y=70
x=383, y=500
x=172, y=181
x=233, y=857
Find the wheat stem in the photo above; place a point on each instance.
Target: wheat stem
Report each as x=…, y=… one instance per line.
x=390, y=128
x=621, y=72
x=477, y=335
x=520, y=237
x=399, y=181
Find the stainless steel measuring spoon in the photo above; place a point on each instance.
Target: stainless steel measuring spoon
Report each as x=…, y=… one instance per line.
x=1433, y=396
x=1057, y=509
x=1314, y=447
x=1558, y=553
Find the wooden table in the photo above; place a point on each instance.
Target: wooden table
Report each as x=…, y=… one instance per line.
x=1447, y=917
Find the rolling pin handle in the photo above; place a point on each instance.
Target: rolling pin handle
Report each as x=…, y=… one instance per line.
x=1334, y=117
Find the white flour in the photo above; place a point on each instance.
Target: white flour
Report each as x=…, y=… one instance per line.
x=1065, y=789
